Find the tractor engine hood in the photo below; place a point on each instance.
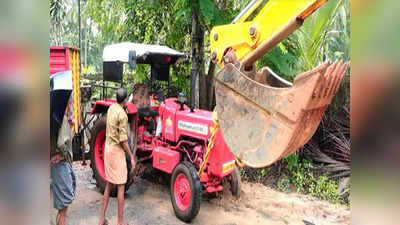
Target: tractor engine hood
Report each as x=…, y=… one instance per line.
x=195, y=123
x=182, y=123
x=179, y=122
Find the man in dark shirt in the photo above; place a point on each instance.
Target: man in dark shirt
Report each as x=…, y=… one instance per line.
x=62, y=176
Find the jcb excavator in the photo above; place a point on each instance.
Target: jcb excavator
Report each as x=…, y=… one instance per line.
x=263, y=117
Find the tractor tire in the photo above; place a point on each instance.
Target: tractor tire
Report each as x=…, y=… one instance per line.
x=235, y=182
x=97, y=144
x=185, y=191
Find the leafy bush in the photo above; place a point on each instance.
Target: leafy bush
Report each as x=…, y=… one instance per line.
x=325, y=189
x=283, y=184
x=295, y=174
x=299, y=173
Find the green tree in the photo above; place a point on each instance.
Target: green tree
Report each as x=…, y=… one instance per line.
x=312, y=37
x=57, y=15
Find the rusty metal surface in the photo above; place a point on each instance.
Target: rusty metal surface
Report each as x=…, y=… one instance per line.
x=141, y=97
x=262, y=123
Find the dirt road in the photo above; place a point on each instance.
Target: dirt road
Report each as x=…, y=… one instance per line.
x=148, y=202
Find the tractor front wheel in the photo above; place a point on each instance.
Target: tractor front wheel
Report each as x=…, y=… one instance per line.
x=185, y=191
x=235, y=181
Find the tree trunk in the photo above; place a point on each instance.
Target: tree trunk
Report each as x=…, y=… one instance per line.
x=197, y=37
x=210, y=87
x=203, y=91
x=86, y=46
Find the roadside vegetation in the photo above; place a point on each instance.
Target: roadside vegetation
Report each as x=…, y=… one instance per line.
x=322, y=167
x=298, y=175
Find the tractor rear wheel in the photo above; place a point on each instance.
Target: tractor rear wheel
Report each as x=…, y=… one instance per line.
x=97, y=144
x=185, y=191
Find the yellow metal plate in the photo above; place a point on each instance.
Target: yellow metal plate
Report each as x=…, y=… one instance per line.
x=228, y=167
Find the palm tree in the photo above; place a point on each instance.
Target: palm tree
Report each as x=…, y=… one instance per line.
x=57, y=15
x=312, y=44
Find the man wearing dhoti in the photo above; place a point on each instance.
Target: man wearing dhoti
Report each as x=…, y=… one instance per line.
x=114, y=154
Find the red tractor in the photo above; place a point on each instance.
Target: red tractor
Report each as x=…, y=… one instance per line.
x=165, y=132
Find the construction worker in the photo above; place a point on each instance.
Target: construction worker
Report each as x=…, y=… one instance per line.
x=114, y=154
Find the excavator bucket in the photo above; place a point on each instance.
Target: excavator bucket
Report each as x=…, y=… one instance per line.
x=264, y=118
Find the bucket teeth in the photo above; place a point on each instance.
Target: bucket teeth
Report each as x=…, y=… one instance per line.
x=262, y=123
x=340, y=77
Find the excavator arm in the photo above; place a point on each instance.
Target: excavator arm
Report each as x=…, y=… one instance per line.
x=264, y=118
x=253, y=39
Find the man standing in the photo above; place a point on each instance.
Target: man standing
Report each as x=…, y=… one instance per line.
x=114, y=156
x=62, y=176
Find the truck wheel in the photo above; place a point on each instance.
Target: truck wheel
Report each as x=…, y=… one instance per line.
x=97, y=144
x=185, y=191
x=235, y=182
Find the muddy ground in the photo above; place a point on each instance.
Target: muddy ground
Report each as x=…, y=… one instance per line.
x=148, y=202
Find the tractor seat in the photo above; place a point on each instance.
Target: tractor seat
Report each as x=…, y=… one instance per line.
x=147, y=112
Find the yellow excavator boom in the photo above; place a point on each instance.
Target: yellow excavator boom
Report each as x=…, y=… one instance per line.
x=264, y=118
x=250, y=40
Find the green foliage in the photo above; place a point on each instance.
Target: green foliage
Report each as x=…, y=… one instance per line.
x=325, y=35
x=57, y=15
x=299, y=173
x=325, y=189
x=311, y=38
x=214, y=15
x=262, y=174
x=57, y=10
x=281, y=60
x=164, y=22
x=89, y=70
x=283, y=184
x=243, y=174
x=207, y=9
x=338, y=38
